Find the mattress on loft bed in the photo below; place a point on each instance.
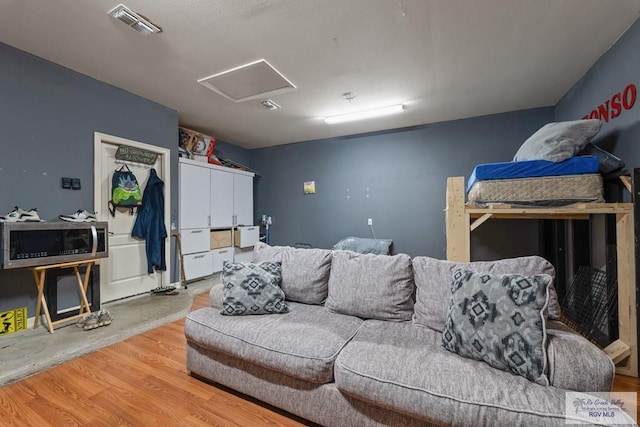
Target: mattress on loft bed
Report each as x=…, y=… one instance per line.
x=533, y=168
x=539, y=191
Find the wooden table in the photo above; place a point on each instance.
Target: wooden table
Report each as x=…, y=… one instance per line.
x=39, y=274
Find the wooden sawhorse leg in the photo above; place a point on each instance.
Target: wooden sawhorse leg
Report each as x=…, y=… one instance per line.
x=39, y=274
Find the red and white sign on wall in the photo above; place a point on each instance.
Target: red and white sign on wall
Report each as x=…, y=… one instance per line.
x=616, y=105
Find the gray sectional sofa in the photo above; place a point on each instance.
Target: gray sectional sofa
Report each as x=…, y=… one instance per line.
x=361, y=345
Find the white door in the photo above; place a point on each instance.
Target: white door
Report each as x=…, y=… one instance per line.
x=243, y=199
x=124, y=272
x=221, y=199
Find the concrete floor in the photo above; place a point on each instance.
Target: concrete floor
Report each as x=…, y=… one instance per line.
x=31, y=351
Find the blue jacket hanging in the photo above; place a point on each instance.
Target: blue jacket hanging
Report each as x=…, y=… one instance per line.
x=149, y=223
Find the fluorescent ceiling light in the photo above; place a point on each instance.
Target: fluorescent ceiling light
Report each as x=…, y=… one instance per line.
x=134, y=20
x=361, y=115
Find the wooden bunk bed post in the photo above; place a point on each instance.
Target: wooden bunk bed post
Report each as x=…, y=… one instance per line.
x=627, y=323
x=624, y=351
x=457, y=220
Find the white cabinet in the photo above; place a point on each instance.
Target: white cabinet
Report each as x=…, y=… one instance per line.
x=194, y=220
x=242, y=255
x=219, y=256
x=194, y=196
x=214, y=198
x=197, y=265
x=231, y=198
x=221, y=198
x=195, y=240
x=243, y=199
x=246, y=237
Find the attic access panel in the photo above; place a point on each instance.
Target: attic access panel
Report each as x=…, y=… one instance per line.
x=248, y=81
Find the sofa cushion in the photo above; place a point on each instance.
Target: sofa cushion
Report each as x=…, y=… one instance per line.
x=305, y=272
x=433, y=284
x=252, y=288
x=371, y=286
x=401, y=366
x=303, y=343
x=594, y=373
x=215, y=296
x=498, y=319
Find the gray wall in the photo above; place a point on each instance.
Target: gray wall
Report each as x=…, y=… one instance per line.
x=612, y=73
x=233, y=152
x=48, y=116
x=397, y=178
x=614, y=70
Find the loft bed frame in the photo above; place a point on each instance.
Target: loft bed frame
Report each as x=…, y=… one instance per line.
x=462, y=219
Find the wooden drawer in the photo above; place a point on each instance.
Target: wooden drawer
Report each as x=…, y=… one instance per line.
x=194, y=240
x=247, y=237
x=219, y=256
x=197, y=265
x=220, y=239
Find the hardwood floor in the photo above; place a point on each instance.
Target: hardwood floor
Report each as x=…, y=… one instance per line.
x=141, y=381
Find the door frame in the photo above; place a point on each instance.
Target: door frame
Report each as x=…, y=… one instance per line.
x=100, y=200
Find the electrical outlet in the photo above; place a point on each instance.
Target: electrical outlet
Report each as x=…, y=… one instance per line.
x=370, y=221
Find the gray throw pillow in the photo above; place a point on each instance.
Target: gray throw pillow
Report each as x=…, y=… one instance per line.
x=433, y=284
x=558, y=141
x=498, y=319
x=371, y=286
x=305, y=272
x=252, y=289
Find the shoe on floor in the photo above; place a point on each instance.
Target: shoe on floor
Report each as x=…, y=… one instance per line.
x=80, y=215
x=88, y=322
x=104, y=317
x=21, y=215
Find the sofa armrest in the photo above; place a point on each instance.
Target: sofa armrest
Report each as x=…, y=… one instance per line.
x=215, y=296
x=575, y=363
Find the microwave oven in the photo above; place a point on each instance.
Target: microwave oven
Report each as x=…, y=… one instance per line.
x=31, y=244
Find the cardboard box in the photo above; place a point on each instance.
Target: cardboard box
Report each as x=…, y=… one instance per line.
x=220, y=239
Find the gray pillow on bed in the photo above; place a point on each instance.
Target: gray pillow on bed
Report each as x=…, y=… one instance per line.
x=558, y=141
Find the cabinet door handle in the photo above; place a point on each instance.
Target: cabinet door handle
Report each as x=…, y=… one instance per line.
x=198, y=256
x=224, y=252
x=251, y=228
x=196, y=231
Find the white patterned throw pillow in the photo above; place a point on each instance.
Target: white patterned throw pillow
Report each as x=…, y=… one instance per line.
x=252, y=288
x=498, y=319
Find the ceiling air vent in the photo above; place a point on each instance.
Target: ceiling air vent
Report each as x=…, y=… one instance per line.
x=249, y=81
x=134, y=20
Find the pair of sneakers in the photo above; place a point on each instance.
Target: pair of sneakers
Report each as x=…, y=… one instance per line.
x=31, y=215
x=95, y=320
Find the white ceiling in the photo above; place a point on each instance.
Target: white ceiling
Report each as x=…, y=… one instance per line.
x=444, y=59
